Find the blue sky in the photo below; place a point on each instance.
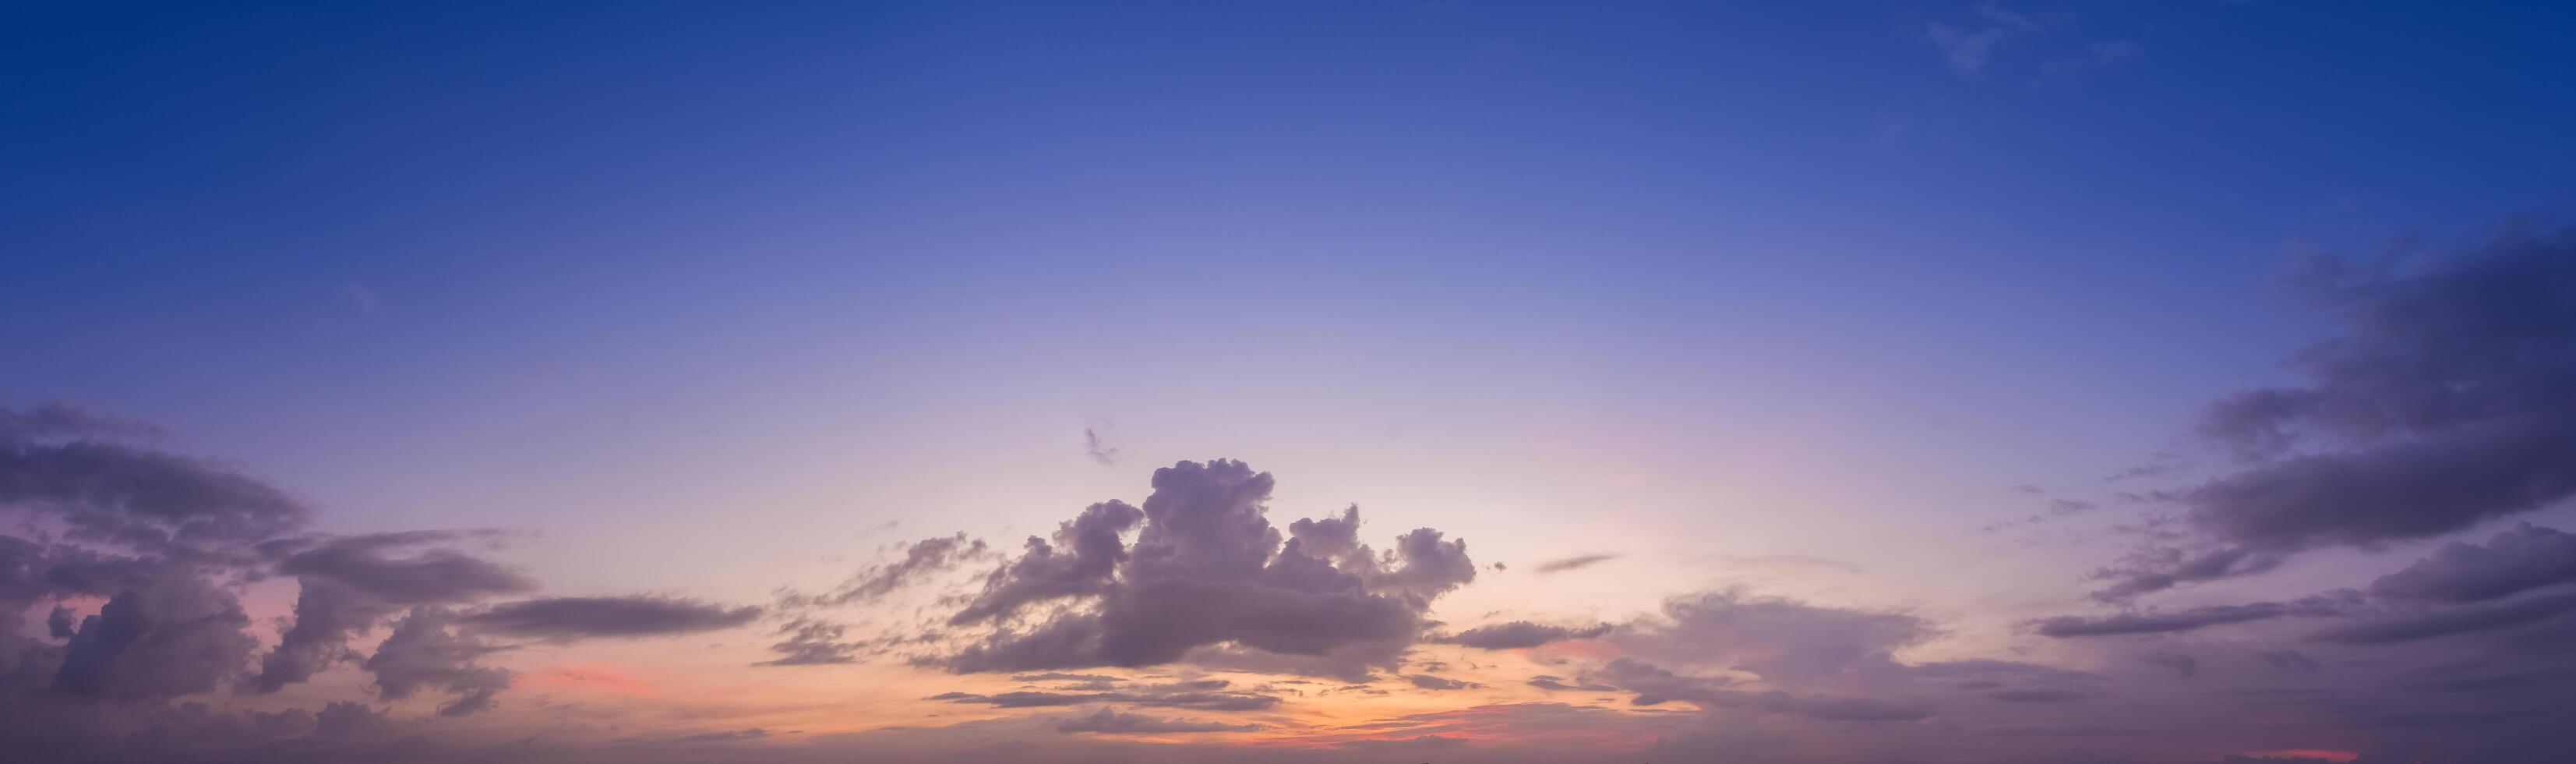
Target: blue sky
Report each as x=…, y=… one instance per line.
x=1740, y=280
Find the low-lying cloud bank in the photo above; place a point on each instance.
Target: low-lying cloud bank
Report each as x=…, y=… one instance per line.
x=138, y=557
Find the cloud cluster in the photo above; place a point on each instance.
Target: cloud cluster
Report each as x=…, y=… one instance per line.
x=351, y=583
x=2440, y=403
x=162, y=545
x=1208, y=579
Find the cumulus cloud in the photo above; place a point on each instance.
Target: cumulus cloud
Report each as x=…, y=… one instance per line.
x=1207, y=578
x=564, y=618
x=349, y=584
x=1521, y=634
x=424, y=653
x=173, y=635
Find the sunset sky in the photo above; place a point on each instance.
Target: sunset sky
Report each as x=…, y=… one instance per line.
x=1404, y=381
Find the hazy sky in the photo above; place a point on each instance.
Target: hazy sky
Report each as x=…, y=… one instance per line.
x=1786, y=382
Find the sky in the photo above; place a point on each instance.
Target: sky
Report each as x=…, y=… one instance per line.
x=1756, y=383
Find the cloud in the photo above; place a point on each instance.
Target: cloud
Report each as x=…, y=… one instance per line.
x=1777, y=638
x=350, y=583
x=434, y=575
x=131, y=496
x=1577, y=562
x=1429, y=682
x=1204, y=695
x=2525, y=557
x=173, y=635
x=424, y=653
x=2439, y=403
x=563, y=618
x=1114, y=722
x=1042, y=573
x=924, y=557
x=1655, y=685
x=1552, y=683
x=2165, y=622
x=2482, y=617
x=811, y=642
x=1521, y=634
x=62, y=420
x=1208, y=578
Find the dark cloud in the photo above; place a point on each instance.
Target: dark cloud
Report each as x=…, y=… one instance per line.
x=1115, y=722
x=424, y=653
x=1577, y=562
x=2162, y=622
x=562, y=618
x=1204, y=695
x=349, y=584
x=129, y=495
x=2157, y=569
x=1521, y=634
x=1208, y=578
x=1429, y=682
x=2465, y=619
x=1042, y=573
x=433, y=575
x=2441, y=402
x=327, y=614
x=1552, y=683
x=174, y=635
x=1059, y=676
x=2526, y=557
x=61, y=420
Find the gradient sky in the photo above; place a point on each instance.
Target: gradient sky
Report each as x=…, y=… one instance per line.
x=1922, y=382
